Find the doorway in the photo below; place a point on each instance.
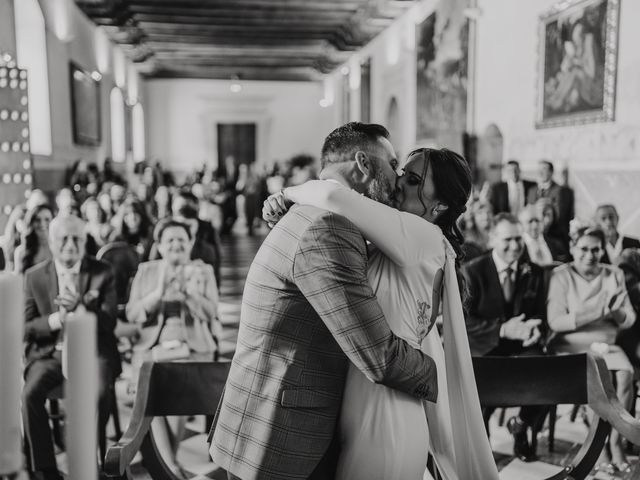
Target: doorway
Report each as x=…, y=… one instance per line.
x=236, y=145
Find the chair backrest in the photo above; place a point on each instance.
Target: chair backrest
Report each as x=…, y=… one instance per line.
x=533, y=380
x=166, y=389
x=560, y=379
x=184, y=388
x=125, y=260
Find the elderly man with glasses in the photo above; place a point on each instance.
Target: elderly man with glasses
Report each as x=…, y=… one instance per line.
x=53, y=289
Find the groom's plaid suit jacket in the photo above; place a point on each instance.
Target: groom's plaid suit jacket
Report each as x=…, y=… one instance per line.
x=307, y=310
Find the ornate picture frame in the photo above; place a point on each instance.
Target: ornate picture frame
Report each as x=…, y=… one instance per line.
x=577, y=62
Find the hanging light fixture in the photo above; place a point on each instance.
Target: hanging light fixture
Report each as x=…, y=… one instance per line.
x=235, y=86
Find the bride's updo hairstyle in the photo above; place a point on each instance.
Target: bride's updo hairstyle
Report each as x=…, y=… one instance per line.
x=453, y=183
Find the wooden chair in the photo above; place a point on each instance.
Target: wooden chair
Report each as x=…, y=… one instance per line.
x=562, y=379
x=124, y=260
x=165, y=389
x=57, y=418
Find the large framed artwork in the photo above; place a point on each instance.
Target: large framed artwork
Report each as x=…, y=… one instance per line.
x=85, y=106
x=442, y=45
x=577, y=63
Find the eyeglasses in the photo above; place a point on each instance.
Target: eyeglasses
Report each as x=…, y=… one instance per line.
x=594, y=250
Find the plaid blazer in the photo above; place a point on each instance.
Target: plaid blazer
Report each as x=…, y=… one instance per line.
x=307, y=311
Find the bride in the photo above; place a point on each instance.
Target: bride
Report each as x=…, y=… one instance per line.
x=413, y=269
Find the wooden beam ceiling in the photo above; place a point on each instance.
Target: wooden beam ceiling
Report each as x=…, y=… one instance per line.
x=255, y=39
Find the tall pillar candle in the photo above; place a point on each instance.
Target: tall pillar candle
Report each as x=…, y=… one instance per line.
x=11, y=334
x=81, y=394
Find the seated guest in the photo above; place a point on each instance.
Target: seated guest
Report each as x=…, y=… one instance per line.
x=36, y=197
x=550, y=226
x=587, y=305
x=34, y=246
x=561, y=197
x=477, y=225
x=175, y=299
x=629, y=340
x=201, y=250
x=505, y=312
x=606, y=217
x=542, y=249
x=512, y=194
x=97, y=226
x=54, y=289
x=13, y=231
x=66, y=203
x=205, y=232
x=133, y=226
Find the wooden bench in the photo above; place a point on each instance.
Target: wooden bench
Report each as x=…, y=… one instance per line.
x=561, y=379
x=194, y=388
x=165, y=389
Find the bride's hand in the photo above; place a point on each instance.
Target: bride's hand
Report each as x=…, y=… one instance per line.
x=274, y=208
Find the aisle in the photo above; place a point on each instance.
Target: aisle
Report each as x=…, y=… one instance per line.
x=237, y=254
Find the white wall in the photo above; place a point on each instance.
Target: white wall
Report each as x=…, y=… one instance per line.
x=70, y=37
x=181, y=118
x=603, y=159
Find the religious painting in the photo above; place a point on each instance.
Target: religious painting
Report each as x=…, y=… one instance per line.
x=442, y=41
x=577, y=63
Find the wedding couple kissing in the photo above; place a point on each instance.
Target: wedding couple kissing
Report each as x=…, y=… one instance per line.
x=338, y=370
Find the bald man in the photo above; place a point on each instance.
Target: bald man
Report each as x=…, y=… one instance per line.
x=52, y=289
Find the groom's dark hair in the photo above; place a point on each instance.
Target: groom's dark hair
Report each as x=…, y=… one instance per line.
x=342, y=144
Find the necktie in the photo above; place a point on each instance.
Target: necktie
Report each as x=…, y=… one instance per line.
x=69, y=282
x=507, y=285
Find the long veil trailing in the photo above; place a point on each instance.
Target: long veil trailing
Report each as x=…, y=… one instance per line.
x=459, y=442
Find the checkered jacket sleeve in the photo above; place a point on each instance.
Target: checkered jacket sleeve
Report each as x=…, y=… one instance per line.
x=330, y=269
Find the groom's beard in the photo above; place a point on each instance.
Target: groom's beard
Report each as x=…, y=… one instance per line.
x=380, y=189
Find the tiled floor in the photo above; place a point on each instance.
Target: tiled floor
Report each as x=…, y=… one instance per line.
x=238, y=252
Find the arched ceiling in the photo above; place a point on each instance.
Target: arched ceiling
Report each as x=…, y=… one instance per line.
x=254, y=39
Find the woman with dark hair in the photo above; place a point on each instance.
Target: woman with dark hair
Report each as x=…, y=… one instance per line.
x=133, y=226
x=414, y=271
x=551, y=228
x=12, y=234
x=97, y=226
x=34, y=247
x=587, y=305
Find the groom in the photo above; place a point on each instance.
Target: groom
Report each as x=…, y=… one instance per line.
x=307, y=312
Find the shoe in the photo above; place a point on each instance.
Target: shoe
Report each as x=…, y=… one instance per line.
x=521, y=447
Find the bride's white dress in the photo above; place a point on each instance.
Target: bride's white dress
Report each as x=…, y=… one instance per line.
x=386, y=434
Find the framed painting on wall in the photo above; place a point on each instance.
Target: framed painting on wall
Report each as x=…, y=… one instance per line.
x=442, y=47
x=577, y=63
x=85, y=106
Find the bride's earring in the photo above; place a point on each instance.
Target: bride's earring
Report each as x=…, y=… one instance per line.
x=434, y=212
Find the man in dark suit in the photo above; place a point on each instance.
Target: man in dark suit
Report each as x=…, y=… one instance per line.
x=561, y=197
x=540, y=248
x=606, y=217
x=511, y=195
x=506, y=310
x=53, y=290
x=186, y=201
x=305, y=317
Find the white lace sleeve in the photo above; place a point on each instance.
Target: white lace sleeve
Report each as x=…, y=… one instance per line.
x=403, y=237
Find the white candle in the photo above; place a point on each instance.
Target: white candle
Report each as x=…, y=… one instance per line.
x=11, y=334
x=81, y=394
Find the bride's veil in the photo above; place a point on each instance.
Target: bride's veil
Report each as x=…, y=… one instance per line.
x=458, y=439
